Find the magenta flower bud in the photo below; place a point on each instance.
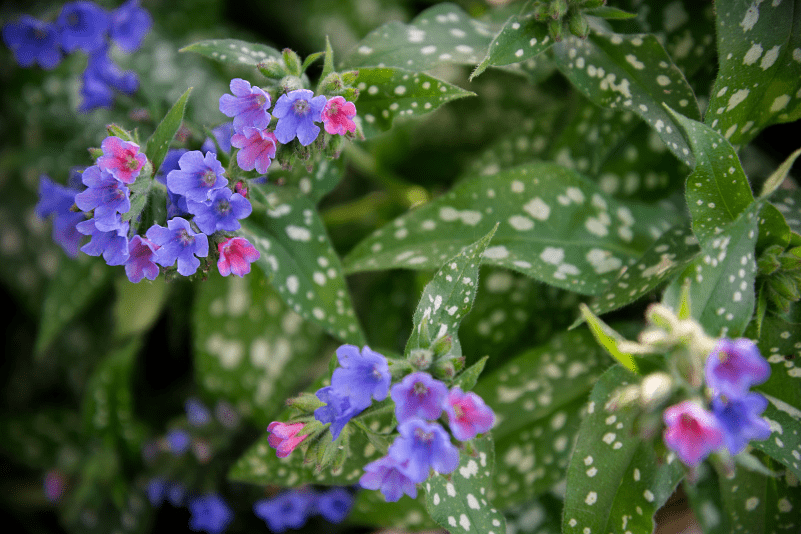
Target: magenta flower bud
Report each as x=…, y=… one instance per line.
x=418, y=395
x=468, y=415
x=734, y=366
x=236, y=255
x=283, y=437
x=691, y=432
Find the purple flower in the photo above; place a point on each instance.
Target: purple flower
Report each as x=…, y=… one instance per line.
x=424, y=445
x=176, y=493
x=57, y=200
x=198, y=177
x=236, y=255
x=113, y=245
x=691, y=432
x=156, y=491
x=739, y=418
x=297, y=111
x=141, y=260
x=209, y=513
x=468, y=415
x=734, y=366
x=222, y=134
x=197, y=413
x=54, y=485
x=257, y=149
x=361, y=376
x=248, y=105
x=33, y=41
x=178, y=441
x=95, y=93
x=290, y=509
x=101, y=68
x=419, y=395
x=335, y=504
x=388, y=475
x=337, y=411
x=176, y=204
x=337, y=115
x=104, y=194
x=221, y=212
x=121, y=158
x=129, y=25
x=179, y=242
x=82, y=25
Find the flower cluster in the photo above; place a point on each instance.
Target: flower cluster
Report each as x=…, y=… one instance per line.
x=291, y=509
x=296, y=112
x=84, y=26
x=693, y=431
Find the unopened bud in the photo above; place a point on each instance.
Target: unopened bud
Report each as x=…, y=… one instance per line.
x=292, y=61
x=290, y=83
x=593, y=4
x=349, y=77
x=542, y=11
x=555, y=30
x=579, y=25
x=272, y=68
x=305, y=402
x=332, y=84
x=95, y=153
x=655, y=389
x=558, y=9
x=421, y=359
x=442, y=346
x=115, y=130
x=242, y=188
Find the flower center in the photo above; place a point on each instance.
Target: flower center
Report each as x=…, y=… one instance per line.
x=223, y=207
x=333, y=109
x=458, y=411
x=209, y=178
x=261, y=99
x=422, y=435
x=184, y=238
x=130, y=161
x=73, y=19
x=420, y=389
x=39, y=34
x=301, y=107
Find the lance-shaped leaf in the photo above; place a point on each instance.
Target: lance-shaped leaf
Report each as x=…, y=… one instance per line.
x=789, y=203
x=633, y=73
x=459, y=502
x=250, y=348
x=389, y=93
x=609, y=339
x=448, y=298
x=615, y=482
x=759, y=79
x=722, y=279
x=159, y=142
x=777, y=177
x=234, y=52
x=442, y=33
x=521, y=38
x=555, y=226
x=298, y=258
x=43, y=439
x=717, y=190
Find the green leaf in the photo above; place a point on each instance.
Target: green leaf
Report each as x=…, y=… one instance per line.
x=609, y=339
x=556, y=227
x=610, y=13
x=789, y=203
x=233, y=52
x=138, y=306
x=299, y=260
x=717, y=190
x=784, y=443
x=159, y=142
x=615, y=482
x=521, y=38
x=773, y=228
x=722, y=279
x=759, y=80
x=250, y=348
x=633, y=73
x=372, y=509
x=540, y=516
x=389, y=93
x=444, y=33
x=468, y=378
x=44, y=440
x=324, y=177
x=447, y=298
x=777, y=178
x=459, y=502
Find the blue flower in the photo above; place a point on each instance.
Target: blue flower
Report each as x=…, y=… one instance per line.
x=141, y=260
x=221, y=212
x=335, y=504
x=176, y=493
x=424, y=446
x=104, y=194
x=82, y=25
x=290, y=509
x=740, y=421
x=102, y=69
x=178, y=441
x=419, y=395
x=388, y=475
x=362, y=376
x=179, y=242
x=222, y=134
x=176, y=204
x=33, y=41
x=156, y=491
x=113, y=244
x=337, y=411
x=129, y=25
x=734, y=366
x=297, y=111
x=209, y=513
x=95, y=93
x=57, y=200
x=198, y=176
x=197, y=413
x=248, y=105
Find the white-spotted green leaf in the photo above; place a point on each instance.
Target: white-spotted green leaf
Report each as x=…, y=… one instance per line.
x=459, y=502
x=759, y=80
x=323, y=178
x=722, y=279
x=522, y=37
x=555, y=226
x=537, y=516
x=389, y=93
x=444, y=33
x=705, y=500
x=159, y=142
x=42, y=440
x=773, y=228
x=717, y=190
x=784, y=443
x=448, y=298
x=370, y=508
x=138, y=306
x=614, y=481
x=299, y=260
x=789, y=203
x=234, y=52
x=632, y=73
x=250, y=348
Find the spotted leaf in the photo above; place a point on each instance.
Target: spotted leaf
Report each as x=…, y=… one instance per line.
x=322, y=179
x=555, y=226
x=522, y=37
x=448, y=298
x=300, y=261
x=789, y=203
x=784, y=443
x=759, y=80
x=632, y=73
x=234, y=52
x=44, y=440
x=459, y=502
x=371, y=508
x=537, y=516
x=389, y=93
x=614, y=482
x=251, y=349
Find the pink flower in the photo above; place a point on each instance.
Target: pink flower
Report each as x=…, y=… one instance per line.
x=257, y=149
x=236, y=255
x=283, y=437
x=692, y=432
x=468, y=416
x=337, y=115
x=121, y=158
